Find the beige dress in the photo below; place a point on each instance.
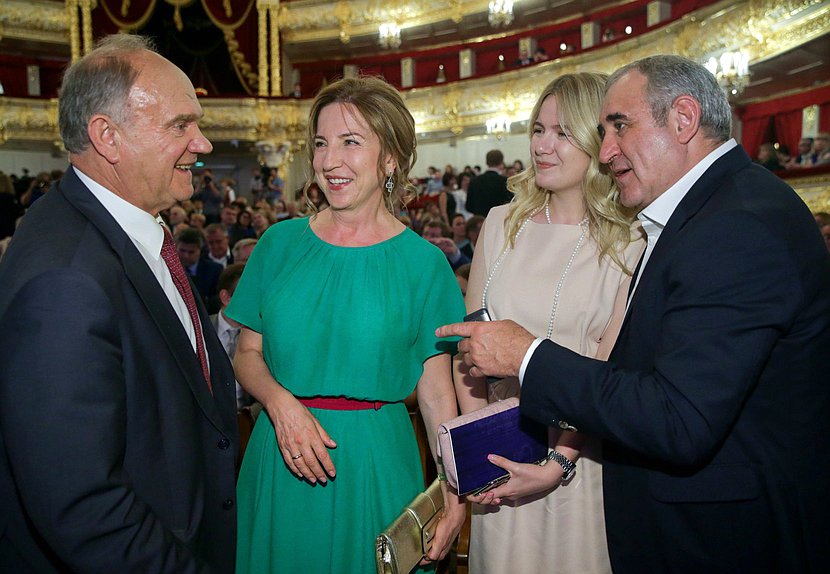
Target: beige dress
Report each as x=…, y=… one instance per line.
x=563, y=530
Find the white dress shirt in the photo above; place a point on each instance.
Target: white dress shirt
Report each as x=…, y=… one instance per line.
x=223, y=261
x=654, y=218
x=229, y=336
x=147, y=235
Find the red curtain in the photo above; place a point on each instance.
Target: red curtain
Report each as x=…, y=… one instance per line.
x=759, y=119
x=788, y=129
x=235, y=19
x=824, y=117
x=755, y=132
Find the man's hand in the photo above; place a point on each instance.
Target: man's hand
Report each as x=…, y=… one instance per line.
x=492, y=348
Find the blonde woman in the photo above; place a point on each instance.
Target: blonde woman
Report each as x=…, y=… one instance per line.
x=558, y=260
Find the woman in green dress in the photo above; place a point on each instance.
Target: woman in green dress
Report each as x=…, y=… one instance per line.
x=335, y=460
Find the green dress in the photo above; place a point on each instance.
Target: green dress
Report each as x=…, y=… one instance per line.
x=336, y=321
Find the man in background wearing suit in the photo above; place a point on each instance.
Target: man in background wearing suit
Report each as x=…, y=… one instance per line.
x=202, y=271
x=118, y=441
x=218, y=247
x=490, y=188
x=714, y=406
x=226, y=328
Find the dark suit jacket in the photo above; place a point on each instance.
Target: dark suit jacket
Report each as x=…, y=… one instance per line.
x=715, y=404
x=487, y=191
x=114, y=456
x=207, y=278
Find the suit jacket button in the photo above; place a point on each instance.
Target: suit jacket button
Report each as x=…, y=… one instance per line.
x=228, y=504
x=224, y=443
x=564, y=425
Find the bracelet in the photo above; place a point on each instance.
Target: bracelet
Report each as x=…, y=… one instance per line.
x=568, y=466
x=442, y=477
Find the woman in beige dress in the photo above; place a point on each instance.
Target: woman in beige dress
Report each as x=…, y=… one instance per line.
x=558, y=260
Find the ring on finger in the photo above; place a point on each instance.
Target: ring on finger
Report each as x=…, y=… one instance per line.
x=296, y=456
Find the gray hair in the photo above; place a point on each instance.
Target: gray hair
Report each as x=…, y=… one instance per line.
x=669, y=77
x=98, y=83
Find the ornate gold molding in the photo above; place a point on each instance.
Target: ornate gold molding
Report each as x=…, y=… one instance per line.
x=35, y=20
x=767, y=27
x=28, y=120
x=313, y=20
x=762, y=27
x=814, y=190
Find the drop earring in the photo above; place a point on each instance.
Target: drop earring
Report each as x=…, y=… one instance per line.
x=390, y=185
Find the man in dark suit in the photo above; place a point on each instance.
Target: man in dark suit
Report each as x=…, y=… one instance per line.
x=217, y=246
x=490, y=188
x=117, y=418
x=715, y=405
x=204, y=272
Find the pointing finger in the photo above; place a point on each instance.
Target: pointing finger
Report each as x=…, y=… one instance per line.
x=455, y=330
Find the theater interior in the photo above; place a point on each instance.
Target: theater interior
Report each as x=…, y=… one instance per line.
x=469, y=70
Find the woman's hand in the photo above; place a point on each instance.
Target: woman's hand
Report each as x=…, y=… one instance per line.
x=452, y=519
x=302, y=440
x=525, y=479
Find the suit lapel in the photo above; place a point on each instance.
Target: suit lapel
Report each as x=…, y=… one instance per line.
x=150, y=292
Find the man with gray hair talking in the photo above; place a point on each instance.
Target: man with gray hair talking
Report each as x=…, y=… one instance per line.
x=118, y=431
x=714, y=406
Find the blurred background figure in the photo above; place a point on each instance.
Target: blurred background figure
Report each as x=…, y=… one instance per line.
x=768, y=157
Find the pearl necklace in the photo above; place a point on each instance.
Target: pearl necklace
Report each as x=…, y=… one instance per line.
x=557, y=292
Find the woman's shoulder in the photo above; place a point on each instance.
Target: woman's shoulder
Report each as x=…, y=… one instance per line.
x=287, y=227
x=282, y=232
x=421, y=252
x=498, y=214
x=494, y=223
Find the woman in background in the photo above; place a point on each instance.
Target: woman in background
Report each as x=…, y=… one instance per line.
x=557, y=260
x=335, y=460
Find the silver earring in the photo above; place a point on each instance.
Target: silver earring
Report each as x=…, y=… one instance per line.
x=390, y=185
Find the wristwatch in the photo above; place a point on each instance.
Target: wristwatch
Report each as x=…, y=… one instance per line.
x=567, y=465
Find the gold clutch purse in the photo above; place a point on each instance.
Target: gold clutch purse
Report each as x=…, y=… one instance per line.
x=402, y=544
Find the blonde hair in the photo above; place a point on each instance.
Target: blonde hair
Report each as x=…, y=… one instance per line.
x=384, y=111
x=579, y=100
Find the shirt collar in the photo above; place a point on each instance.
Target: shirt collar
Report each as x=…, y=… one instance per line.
x=221, y=259
x=658, y=212
x=222, y=324
x=139, y=225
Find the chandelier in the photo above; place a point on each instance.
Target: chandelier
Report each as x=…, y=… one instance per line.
x=389, y=35
x=497, y=126
x=501, y=13
x=731, y=70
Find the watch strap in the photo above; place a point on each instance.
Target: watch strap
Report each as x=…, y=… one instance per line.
x=568, y=466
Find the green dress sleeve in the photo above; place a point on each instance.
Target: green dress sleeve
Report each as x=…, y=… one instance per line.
x=246, y=303
x=443, y=304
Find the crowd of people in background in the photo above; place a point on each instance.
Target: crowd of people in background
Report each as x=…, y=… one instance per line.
x=439, y=212
x=812, y=151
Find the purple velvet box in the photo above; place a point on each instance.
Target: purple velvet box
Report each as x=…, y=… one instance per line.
x=498, y=429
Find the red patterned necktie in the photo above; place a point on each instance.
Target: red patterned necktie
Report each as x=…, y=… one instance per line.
x=171, y=258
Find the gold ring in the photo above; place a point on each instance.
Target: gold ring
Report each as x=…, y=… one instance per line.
x=295, y=457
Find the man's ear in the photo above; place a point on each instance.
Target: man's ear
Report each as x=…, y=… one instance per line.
x=104, y=136
x=685, y=114
x=224, y=297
